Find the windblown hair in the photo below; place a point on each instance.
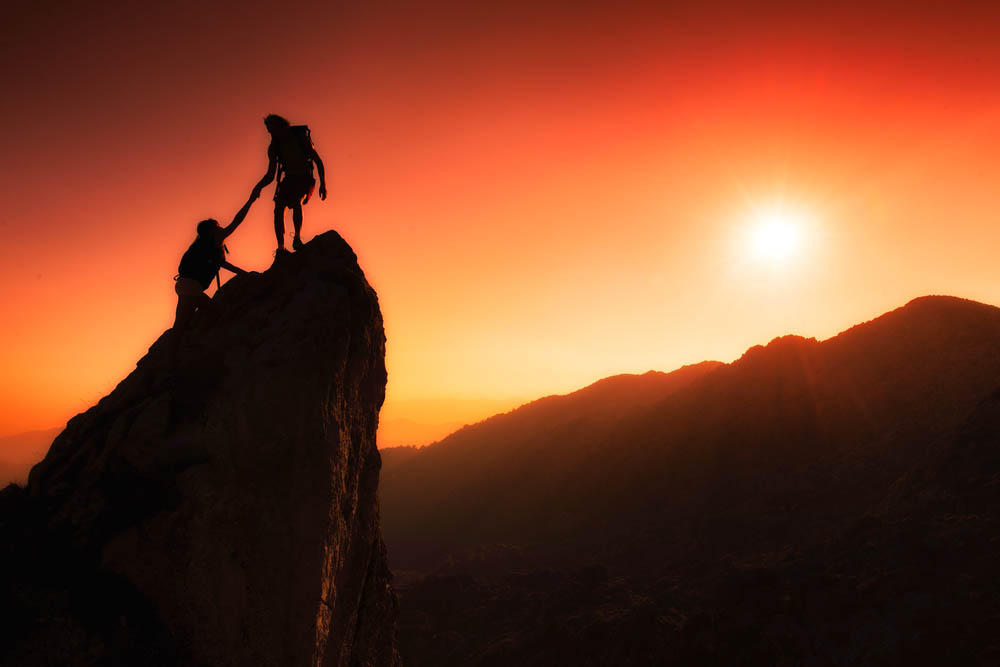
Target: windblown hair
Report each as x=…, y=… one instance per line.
x=274, y=119
x=207, y=225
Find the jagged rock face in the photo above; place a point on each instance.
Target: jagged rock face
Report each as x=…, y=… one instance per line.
x=227, y=502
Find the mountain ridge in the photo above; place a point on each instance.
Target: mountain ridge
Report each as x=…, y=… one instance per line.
x=701, y=527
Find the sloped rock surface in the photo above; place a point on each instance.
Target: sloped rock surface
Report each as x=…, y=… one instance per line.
x=221, y=509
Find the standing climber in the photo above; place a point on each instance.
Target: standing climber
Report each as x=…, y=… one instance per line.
x=290, y=156
x=200, y=264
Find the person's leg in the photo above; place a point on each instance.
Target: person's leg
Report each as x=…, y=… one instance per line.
x=188, y=303
x=297, y=222
x=186, y=306
x=205, y=301
x=279, y=225
x=209, y=312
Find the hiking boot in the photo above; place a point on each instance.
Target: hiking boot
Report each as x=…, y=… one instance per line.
x=297, y=243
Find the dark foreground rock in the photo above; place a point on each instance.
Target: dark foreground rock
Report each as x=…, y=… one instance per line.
x=220, y=511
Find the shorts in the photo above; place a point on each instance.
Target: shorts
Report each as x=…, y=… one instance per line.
x=188, y=287
x=293, y=189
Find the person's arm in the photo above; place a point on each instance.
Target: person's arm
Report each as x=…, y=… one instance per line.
x=272, y=169
x=235, y=269
x=240, y=215
x=322, y=174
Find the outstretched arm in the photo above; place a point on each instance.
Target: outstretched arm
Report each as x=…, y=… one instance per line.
x=272, y=169
x=322, y=174
x=241, y=214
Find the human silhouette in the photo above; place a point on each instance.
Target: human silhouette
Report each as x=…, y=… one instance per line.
x=290, y=157
x=201, y=263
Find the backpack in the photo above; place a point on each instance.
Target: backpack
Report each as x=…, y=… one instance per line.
x=202, y=261
x=295, y=161
x=304, y=137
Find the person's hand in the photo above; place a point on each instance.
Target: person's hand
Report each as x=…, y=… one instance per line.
x=322, y=191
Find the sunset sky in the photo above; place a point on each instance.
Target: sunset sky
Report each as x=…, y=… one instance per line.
x=541, y=194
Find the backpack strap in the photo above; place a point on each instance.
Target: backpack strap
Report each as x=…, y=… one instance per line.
x=218, y=281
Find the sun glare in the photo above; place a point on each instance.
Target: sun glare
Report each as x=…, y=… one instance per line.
x=776, y=234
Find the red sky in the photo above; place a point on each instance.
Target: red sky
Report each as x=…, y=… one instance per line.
x=542, y=195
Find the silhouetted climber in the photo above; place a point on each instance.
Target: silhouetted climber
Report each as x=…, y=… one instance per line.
x=201, y=263
x=291, y=156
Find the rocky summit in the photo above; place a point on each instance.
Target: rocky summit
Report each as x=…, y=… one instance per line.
x=219, y=506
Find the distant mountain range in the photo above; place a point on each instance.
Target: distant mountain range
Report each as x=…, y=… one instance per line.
x=418, y=422
x=829, y=502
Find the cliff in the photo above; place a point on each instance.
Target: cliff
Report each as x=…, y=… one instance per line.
x=220, y=510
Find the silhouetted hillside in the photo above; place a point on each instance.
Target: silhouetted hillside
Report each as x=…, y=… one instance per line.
x=484, y=483
x=218, y=508
x=395, y=456
x=811, y=503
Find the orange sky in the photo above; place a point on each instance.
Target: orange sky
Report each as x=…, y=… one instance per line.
x=541, y=196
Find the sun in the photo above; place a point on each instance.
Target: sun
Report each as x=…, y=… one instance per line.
x=775, y=233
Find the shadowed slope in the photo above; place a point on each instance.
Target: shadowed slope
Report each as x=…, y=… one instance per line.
x=488, y=481
x=811, y=503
